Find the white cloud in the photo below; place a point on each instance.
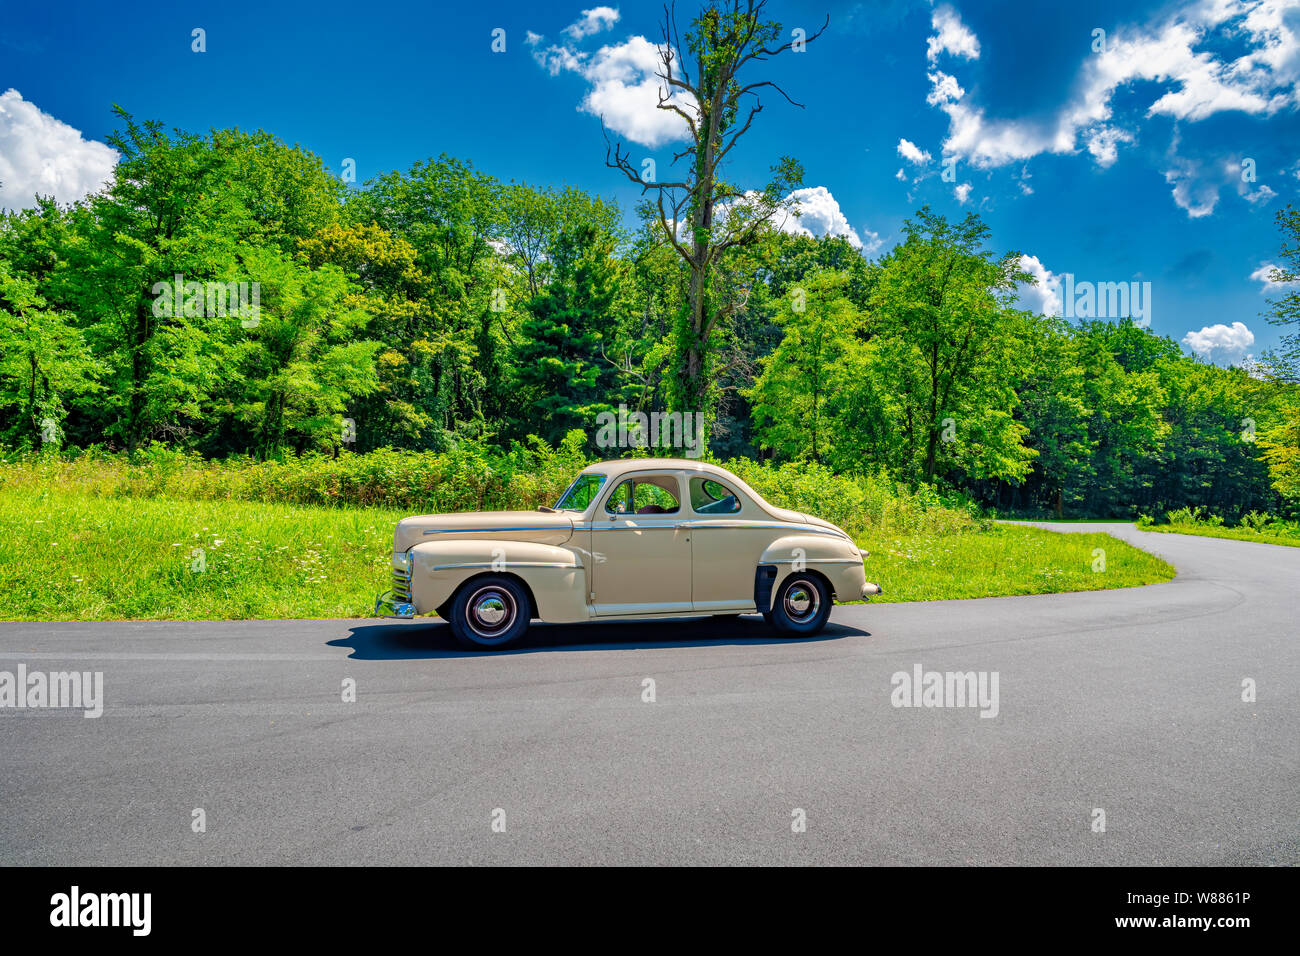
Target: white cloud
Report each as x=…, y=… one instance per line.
x=820, y=215
x=1262, y=194
x=625, y=91
x=985, y=142
x=554, y=58
x=1170, y=53
x=962, y=192
x=900, y=175
x=1044, y=297
x=1221, y=342
x=1103, y=144
x=912, y=153
x=1023, y=179
x=592, y=22
x=951, y=36
x=1192, y=192
x=1197, y=183
x=40, y=155
x=944, y=89
x=873, y=243
x=1264, y=276
x=624, y=88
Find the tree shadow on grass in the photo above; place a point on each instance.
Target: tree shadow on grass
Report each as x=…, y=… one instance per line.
x=428, y=638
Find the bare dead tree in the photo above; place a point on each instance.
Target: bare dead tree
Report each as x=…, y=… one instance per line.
x=718, y=109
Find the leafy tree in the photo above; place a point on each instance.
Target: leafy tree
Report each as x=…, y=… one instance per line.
x=293, y=374
x=450, y=215
x=1280, y=443
x=795, y=397
x=1285, y=364
x=1208, y=459
x=947, y=344
x=1280, y=450
x=701, y=215
x=532, y=221
x=43, y=359
x=166, y=213
x=1056, y=416
x=189, y=206
x=387, y=285
x=559, y=362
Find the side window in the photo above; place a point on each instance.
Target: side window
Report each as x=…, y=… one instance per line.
x=650, y=495
x=709, y=497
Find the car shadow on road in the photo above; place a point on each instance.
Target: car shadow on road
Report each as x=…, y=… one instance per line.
x=431, y=638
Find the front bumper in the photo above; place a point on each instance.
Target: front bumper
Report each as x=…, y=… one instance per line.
x=389, y=604
x=870, y=590
x=397, y=602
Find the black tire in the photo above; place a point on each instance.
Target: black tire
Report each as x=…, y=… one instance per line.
x=802, y=605
x=489, y=613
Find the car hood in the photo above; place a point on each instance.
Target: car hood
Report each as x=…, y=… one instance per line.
x=484, y=525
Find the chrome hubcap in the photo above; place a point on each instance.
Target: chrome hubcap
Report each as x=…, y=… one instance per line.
x=802, y=601
x=491, y=611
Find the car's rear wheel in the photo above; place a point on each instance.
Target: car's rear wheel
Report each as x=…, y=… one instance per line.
x=489, y=613
x=802, y=605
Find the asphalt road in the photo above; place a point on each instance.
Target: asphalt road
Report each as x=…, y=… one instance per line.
x=1125, y=701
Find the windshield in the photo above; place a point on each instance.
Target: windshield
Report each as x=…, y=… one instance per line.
x=580, y=493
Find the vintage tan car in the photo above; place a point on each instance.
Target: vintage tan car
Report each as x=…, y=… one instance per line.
x=630, y=539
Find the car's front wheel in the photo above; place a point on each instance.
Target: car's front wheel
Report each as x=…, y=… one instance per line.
x=802, y=605
x=489, y=613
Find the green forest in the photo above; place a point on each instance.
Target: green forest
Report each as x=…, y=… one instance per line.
x=228, y=295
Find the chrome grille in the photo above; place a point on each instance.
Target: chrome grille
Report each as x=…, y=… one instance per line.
x=402, y=584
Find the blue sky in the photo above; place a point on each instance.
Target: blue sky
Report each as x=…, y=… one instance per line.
x=1115, y=157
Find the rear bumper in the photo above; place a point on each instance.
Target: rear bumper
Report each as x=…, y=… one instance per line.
x=389, y=604
x=870, y=590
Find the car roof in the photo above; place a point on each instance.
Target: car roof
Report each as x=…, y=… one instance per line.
x=619, y=466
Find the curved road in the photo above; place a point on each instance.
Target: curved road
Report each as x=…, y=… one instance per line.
x=1127, y=702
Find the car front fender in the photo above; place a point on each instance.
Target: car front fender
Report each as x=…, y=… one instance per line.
x=555, y=575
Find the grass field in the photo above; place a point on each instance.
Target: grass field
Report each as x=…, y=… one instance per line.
x=76, y=557
x=72, y=557
x=1007, y=559
x=1264, y=536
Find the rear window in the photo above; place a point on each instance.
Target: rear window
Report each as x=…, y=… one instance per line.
x=710, y=497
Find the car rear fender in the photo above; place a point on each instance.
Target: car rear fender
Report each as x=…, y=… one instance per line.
x=836, y=559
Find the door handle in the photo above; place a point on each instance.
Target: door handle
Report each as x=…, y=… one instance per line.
x=683, y=526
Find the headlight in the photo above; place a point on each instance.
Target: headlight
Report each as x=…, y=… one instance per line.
x=402, y=560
